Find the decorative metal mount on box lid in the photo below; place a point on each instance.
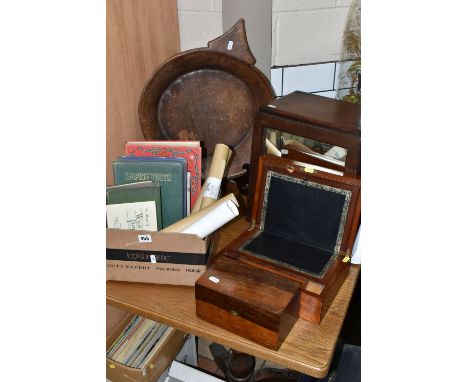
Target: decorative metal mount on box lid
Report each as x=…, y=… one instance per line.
x=209, y=94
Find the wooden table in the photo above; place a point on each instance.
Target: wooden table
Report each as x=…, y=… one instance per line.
x=308, y=348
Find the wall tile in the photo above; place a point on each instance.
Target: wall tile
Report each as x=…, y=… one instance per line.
x=198, y=5
x=197, y=28
x=301, y=5
x=218, y=5
x=276, y=80
x=343, y=3
x=309, y=78
x=307, y=36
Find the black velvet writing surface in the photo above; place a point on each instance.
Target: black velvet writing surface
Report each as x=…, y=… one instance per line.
x=302, y=223
x=290, y=253
x=303, y=213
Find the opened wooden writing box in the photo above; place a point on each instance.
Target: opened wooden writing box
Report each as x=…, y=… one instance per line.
x=303, y=227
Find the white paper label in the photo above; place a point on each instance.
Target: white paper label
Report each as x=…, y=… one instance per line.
x=212, y=188
x=284, y=151
x=144, y=238
x=213, y=279
x=153, y=258
x=272, y=106
x=230, y=45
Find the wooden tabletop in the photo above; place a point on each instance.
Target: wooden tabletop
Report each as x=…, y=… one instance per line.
x=308, y=348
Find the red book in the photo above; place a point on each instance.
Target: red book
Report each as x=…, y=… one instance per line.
x=189, y=150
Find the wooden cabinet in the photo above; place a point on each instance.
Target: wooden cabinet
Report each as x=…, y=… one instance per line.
x=310, y=117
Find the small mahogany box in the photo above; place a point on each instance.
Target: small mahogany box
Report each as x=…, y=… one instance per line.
x=293, y=259
x=259, y=305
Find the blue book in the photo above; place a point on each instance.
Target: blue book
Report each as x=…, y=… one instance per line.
x=169, y=173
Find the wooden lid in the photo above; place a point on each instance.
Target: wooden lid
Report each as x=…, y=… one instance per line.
x=252, y=293
x=341, y=116
x=318, y=209
x=208, y=94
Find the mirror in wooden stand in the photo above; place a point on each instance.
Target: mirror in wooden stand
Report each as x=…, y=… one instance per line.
x=307, y=128
x=319, y=154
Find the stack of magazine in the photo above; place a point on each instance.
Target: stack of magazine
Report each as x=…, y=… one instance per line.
x=156, y=184
x=137, y=342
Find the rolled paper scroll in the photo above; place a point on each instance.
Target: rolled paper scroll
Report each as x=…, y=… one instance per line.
x=272, y=137
x=221, y=156
x=197, y=204
x=299, y=146
x=271, y=148
x=296, y=145
x=195, y=216
x=337, y=152
x=216, y=218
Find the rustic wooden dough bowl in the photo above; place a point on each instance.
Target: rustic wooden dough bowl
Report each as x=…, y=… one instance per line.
x=208, y=94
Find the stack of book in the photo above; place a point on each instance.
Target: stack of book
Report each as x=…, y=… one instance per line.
x=137, y=342
x=156, y=183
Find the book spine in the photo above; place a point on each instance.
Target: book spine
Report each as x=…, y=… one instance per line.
x=139, y=338
x=129, y=361
x=122, y=335
x=125, y=342
x=192, y=155
x=188, y=187
x=150, y=346
x=160, y=338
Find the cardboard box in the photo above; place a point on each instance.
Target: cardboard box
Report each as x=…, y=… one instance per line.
x=187, y=355
x=155, y=257
x=168, y=347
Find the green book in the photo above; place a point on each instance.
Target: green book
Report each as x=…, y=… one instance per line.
x=169, y=173
x=136, y=192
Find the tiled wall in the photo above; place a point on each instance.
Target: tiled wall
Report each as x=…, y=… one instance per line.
x=321, y=79
x=306, y=31
x=303, y=31
x=199, y=22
